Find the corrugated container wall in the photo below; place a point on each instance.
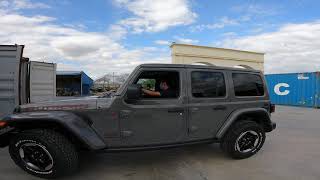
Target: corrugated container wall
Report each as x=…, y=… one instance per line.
x=297, y=89
x=42, y=81
x=87, y=83
x=10, y=70
x=23, y=81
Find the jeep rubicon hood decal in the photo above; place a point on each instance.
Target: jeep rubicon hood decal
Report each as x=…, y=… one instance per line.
x=55, y=108
x=65, y=105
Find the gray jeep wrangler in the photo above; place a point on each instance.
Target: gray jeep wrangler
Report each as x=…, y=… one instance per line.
x=159, y=106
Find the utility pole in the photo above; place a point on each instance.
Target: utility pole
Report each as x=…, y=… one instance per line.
x=104, y=81
x=113, y=79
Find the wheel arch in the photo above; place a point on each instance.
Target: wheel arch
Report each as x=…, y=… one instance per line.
x=75, y=128
x=51, y=125
x=258, y=115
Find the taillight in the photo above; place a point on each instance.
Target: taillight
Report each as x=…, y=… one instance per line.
x=3, y=124
x=272, y=108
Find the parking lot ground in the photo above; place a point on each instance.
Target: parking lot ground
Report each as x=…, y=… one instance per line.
x=291, y=152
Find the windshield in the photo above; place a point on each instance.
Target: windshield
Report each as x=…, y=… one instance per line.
x=122, y=87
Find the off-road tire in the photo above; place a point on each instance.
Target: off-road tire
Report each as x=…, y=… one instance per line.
x=63, y=152
x=228, y=144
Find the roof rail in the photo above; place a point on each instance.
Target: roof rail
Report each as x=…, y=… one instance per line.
x=203, y=63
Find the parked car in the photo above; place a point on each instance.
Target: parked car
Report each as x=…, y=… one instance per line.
x=159, y=106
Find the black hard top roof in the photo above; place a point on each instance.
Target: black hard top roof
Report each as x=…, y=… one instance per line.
x=198, y=67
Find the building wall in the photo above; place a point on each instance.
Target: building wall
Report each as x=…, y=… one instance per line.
x=189, y=54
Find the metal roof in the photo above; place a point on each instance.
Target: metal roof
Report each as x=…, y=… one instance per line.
x=70, y=73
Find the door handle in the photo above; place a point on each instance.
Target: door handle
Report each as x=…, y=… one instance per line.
x=176, y=110
x=219, y=107
x=195, y=109
x=193, y=129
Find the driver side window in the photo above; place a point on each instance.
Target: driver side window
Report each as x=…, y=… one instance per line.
x=159, y=84
x=149, y=84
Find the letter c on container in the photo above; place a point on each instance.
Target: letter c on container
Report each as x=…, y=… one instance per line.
x=277, y=89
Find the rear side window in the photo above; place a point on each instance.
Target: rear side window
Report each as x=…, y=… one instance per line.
x=208, y=84
x=247, y=84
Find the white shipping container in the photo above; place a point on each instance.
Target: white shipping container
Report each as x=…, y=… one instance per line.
x=42, y=81
x=22, y=81
x=10, y=60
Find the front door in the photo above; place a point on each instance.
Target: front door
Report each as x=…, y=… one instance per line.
x=208, y=102
x=159, y=117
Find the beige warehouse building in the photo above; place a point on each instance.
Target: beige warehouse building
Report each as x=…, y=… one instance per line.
x=191, y=54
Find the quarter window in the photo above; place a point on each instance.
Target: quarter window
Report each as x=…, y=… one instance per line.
x=247, y=84
x=208, y=84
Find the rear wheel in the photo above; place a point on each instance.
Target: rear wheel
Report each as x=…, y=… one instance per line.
x=244, y=139
x=43, y=153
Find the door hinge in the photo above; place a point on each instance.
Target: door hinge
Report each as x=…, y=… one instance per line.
x=126, y=133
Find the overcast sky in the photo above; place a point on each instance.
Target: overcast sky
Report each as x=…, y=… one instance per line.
x=103, y=36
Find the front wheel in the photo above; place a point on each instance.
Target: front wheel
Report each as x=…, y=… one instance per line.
x=244, y=139
x=43, y=153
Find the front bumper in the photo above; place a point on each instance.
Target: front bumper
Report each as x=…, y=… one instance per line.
x=5, y=136
x=270, y=126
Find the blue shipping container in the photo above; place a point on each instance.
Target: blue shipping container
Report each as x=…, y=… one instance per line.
x=297, y=89
x=78, y=81
x=87, y=83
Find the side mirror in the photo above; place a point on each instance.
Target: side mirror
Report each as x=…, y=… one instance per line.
x=134, y=92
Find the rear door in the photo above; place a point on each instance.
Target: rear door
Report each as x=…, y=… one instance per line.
x=208, y=102
x=249, y=90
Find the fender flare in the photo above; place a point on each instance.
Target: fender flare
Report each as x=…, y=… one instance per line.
x=234, y=116
x=68, y=120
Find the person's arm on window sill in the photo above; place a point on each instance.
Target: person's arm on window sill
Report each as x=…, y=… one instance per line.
x=151, y=93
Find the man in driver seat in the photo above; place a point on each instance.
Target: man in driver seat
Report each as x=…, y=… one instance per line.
x=165, y=91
